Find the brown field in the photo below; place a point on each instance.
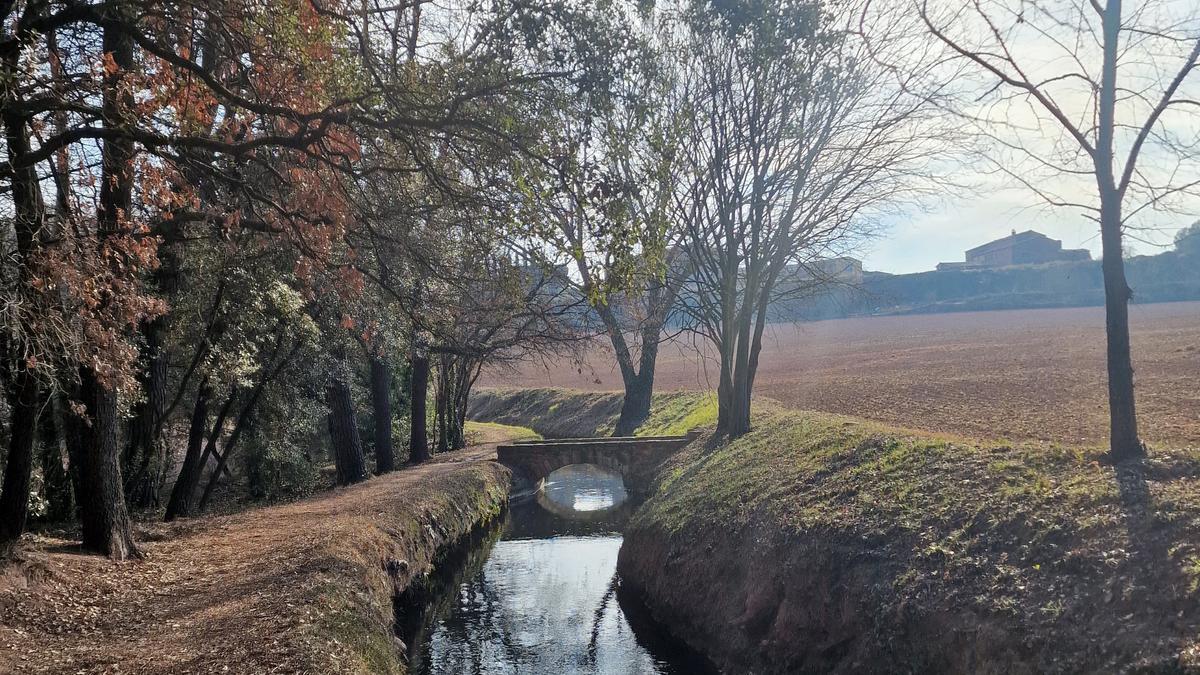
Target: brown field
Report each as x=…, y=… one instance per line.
x=1020, y=375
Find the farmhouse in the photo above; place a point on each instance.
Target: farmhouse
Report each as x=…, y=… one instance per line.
x=1019, y=248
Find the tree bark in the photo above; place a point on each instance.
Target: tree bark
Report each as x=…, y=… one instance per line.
x=21, y=385
x=23, y=399
x=381, y=403
x=144, y=452
x=188, y=481
x=639, y=388
x=441, y=402
x=638, y=381
x=343, y=433
x=1124, y=443
x=104, y=517
x=418, y=443
x=56, y=477
x=456, y=375
x=635, y=406
x=181, y=495
x=243, y=422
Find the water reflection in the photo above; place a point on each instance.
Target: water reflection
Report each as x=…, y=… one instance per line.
x=544, y=597
x=583, y=488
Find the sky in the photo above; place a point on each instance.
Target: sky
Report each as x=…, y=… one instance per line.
x=919, y=241
x=1056, y=45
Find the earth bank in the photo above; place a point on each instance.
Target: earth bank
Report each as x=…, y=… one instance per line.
x=305, y=587
x=822, y=543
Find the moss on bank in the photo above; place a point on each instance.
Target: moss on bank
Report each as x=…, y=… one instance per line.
x=824, y=543
x=375, y=561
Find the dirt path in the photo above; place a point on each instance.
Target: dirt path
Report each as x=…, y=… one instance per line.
x=273, y=589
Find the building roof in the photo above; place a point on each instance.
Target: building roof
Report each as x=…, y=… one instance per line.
x=1010, y=240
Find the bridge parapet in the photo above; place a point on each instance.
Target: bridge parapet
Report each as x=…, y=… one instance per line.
x=635, y=458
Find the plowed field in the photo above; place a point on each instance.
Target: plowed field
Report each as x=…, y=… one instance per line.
x=1023, y=374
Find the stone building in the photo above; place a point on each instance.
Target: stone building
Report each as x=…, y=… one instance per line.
x=1019, y=248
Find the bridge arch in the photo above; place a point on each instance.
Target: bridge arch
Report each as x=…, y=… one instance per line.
x=635, y=459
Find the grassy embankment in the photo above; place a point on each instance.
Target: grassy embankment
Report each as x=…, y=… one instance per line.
x=820, y=542
x=568, y=413
x=299, y=587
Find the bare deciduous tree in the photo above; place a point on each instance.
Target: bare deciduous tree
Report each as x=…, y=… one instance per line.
x=605, y=219
x=1079, y=96
x=796, y=144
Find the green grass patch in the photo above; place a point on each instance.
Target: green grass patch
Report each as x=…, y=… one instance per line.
x=675, y=414
x=485, y=432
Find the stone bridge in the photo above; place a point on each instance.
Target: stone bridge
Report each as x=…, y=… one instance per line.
x=635, y=458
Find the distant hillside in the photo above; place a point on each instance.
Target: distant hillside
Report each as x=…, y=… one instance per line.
x=1167, y=277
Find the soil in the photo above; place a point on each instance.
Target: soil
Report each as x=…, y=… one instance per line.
x=300, y=587
x=1020, y=374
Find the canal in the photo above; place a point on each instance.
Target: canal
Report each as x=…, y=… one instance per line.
x=539, y=593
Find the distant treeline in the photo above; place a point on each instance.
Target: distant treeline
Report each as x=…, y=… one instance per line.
x=1167, y=277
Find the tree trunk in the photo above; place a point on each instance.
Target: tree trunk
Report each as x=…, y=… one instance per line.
x=1124, y=443
x=724, y=391
x=463, y=382
x=343, y=434
x=381, y=403
x=103, y=516
x=23, y=400
x=639, y=386
x=189, y=474
x=1123, y=432
x=441, y=401
x=639, y=382
x=635, y=407
x=21, y=385
x=144, y=452
x=739, y=413
x=188, y=482
x=243, y=422
x=418, y=444
x=733, y=392
x=56, y=478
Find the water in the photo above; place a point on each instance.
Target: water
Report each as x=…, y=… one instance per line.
x=540, y=593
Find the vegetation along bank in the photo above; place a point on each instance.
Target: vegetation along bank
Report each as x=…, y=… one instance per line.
x=827, y=543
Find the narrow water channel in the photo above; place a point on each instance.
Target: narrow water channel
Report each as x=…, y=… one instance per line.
x=539, y=594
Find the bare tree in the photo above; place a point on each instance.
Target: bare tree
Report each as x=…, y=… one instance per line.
x=605, y=214
x=796, y=144
x=1078, y=92
x=513, y=313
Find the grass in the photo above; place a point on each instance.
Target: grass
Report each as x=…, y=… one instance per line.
x=566, y=413
x=487, y=432
x=553, y=413
x=677, y=413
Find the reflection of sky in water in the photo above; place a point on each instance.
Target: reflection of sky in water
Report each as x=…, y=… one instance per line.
x=585, y=487
x=544, y=601
x=535, y=608
x=593, y=499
